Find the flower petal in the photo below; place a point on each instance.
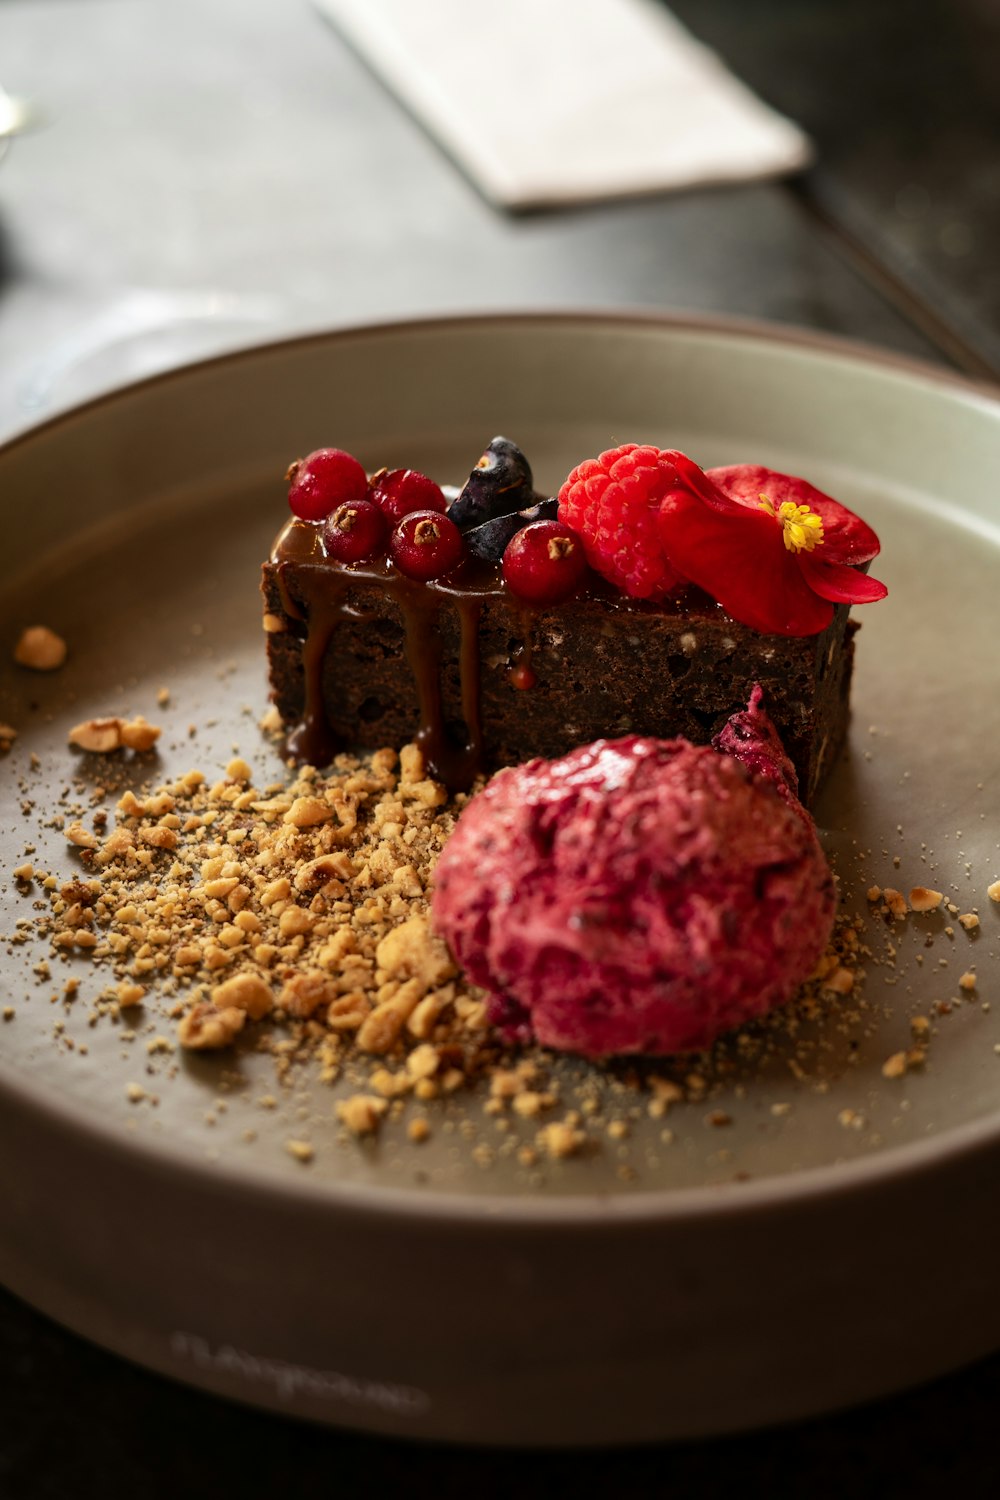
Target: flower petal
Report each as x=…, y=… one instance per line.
x=698, y=482
x=839, y=582
x=846, y=538
x=738, y=558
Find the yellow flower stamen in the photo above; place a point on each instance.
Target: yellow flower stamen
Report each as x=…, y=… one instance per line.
x=801, y=528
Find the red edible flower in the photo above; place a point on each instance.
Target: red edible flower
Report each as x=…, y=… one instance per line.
x=774, y=551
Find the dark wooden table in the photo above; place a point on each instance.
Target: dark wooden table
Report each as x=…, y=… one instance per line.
x=239, y=151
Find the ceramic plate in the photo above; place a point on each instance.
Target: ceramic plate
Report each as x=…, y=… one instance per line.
x=833, y=1240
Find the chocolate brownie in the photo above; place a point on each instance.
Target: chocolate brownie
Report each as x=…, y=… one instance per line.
x=361, y=655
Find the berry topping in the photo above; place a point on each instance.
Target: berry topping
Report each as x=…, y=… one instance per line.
x=614, y=503
x=399, y=492
x=545, y=562
x=426, y=544
x=325, y=479
x=355, y=532
x=489, y=541
x=499, y=484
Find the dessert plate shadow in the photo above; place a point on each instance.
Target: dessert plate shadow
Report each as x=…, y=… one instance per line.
x=755, y=1256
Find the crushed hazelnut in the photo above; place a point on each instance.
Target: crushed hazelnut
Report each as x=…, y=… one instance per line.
x=412, y=949
x=206, y=1029
x=306, y=992
x=246, y=992
x=101, y=736
x=362, y=1113
x=922, y=899
x=306, y=812
x=229, y=902
x=895, y=902
x=40, y=648
x=561, y=1139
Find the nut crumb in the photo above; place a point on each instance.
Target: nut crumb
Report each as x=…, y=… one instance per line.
x=82, y=837
x=922, y=899
x=40, y=648
x=561, y=1139
x=206, y=1029
x=101, y=736
x=246, y=992
x=306, y=812
x=895, y=902
x=362, y=1113
x=301, y=1150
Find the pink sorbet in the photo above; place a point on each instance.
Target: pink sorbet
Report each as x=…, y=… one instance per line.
x=638, y=895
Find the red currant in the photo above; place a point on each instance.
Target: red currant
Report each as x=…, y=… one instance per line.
x=426, y=544
x=544, y=562
x=399, y=492
x=356, y=531
x=324, y=480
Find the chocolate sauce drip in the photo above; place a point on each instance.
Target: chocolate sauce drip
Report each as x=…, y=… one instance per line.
x=312, y=740
x=521, y=672
x=329, y=591
x=470, y=608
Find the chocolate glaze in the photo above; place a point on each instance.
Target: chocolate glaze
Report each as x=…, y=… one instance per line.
x=364, y=655
x=330, y=589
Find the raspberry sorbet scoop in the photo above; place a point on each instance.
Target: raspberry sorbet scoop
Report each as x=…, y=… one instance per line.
x=638, y=895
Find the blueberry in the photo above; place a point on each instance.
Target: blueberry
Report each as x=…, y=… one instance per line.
x=499, y=484
x=489, y=541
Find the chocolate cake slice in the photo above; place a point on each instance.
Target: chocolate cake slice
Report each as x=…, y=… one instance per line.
x=361, y=655
x=506, y=626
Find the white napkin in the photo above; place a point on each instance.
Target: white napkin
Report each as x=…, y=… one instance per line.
x=549, y=102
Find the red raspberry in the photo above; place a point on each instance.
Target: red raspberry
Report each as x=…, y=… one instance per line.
x=614, y=503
